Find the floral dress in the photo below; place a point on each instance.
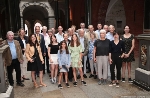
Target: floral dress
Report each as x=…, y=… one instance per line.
x=91, y=48
x=128, y=45
x=75, y=55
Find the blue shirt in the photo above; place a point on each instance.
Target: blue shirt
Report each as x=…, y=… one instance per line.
x=64, y=59
x=12, y=49
x=110, y=36
x=98, y=33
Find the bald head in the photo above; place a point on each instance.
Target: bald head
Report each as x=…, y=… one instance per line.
x=91, y=28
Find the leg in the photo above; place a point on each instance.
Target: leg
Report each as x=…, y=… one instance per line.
x=118, y=67
x=112, y=67
x=60, y=75
x=105, y=67
x=41, y=79
x=52, y=71
x=96, y=69
x=18, y=70
x=70, y=74
x=74, y=74
x=91, y=66
x=99, y=66
x=81, y=73
x=56, y=70
x=85, y=59
x=44, y=65
x=129, y=69
x=47, y=63
x=66, y=77
x=33, y=76
x=10, y=71
x=123, y=69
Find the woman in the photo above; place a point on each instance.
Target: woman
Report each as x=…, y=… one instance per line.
x=35, y=59
x=53, y=48
x=64, y=63
x=100, y=55
x=129, y=41
x=116, y=53
x=23, y=41
x=76, y=58
x=90, y=55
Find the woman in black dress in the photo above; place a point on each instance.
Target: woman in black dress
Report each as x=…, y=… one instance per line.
x=35, y=59
x=129, y=41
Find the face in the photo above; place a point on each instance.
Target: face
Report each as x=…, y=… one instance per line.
x=33, y=38
x=74, y=37
x=10, y=36
x=60, y=29
x=111, y=29
x=102, y=34
x=65, y=36
x=91, y=28
x=105, y=28
x=22, y=33
x=44, y=30
x=116, y=36
x=63, y=45
x=99, y=26
x=81, y=33
x=70, y=32
x=82, y=25
x=50, y=33
x=37, y=30
x=92, y=36
x=126, y=29
x=53, y=29
x=53, y=39
x=73, y=28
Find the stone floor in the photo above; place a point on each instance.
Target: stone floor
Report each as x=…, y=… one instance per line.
x=92, y=90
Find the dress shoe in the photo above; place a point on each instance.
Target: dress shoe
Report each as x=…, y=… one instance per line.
x=20, y=84
x=84, y=76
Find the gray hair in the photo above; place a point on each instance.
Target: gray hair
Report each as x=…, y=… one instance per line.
x=44, y=27
x=103, y=31
x=10, y=32
x=81, y=30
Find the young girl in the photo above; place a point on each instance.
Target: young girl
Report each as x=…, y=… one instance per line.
x=53, y=48
x=76, y=50
x=64, y=63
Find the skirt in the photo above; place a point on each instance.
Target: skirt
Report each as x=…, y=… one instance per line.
x=54, y=58
x=64, y=69
x=36, y=65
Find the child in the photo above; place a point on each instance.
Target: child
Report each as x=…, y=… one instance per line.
x=64, y=63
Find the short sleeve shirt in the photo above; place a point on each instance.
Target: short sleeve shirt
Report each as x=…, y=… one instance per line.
x=54, y=48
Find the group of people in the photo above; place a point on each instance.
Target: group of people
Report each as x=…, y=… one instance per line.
x=71, y=54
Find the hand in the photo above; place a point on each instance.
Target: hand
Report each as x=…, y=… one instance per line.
x=31, y=60
x=110, y=61
x=122, y=56
x=42, y=62
x=44, y=54
x=94, y=59
x=79, y=63
x=126, y=55
x=60, y=67
x=51, y=60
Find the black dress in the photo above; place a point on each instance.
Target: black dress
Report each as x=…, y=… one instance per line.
x=37, y=64
x=128, y=45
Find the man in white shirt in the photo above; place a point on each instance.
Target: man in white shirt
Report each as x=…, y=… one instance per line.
x=99, y=27
x=70, y=33
x=105, y=27
x=46, y=38
x=59, y=35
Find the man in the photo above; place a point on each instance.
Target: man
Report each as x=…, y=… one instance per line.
x=73, y=27
x=53, y=29
x=46, y=38
x=106, y=28
x=84, y=42
x=41, y=41
x=70, y=33
x=59, y=35
x=99, y=27
x=17, y=58
x=110, y=36
x=91, y=30
x=82, y=26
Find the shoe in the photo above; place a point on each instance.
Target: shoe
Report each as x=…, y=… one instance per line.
x=59, y=86
x=70, y=80
x=36, y=85
x=78, y=77
x=67, y=84
x=20, y=84
x=84, y=76
x=25, y=78
x=130, y=80
x=84, y=83
x=123, y=80
x=88, y=71
x=95, y=77
x=54, y=80
x=75, y=84
x=11, y=84
x=112, y=84
x=42, y=84
x=91, y=76
x=99, y=82
x=104, y=82
x=22, y=80
x=117, y=84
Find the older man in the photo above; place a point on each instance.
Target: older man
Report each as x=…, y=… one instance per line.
x=17, y=58
x=59, y=35
x=105, y=27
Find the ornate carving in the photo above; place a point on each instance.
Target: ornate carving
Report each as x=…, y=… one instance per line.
x=143, y=54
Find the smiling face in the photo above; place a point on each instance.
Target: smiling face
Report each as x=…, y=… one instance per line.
x=99, y=26
x=65, y=36
x=22, y=33
x=37, y=29
x=126, y=29
x=116, y=36
x=33, y=38
x=74, y=37
x=102, y=35
x=10, y=36
x=63, y=45
x=53, y=39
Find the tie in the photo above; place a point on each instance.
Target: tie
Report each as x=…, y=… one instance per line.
x=38, y=37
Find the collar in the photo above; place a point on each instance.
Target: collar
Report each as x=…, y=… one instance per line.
x=10, y=41
x=60, y=34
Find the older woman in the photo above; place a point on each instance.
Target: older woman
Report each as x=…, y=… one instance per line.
x=23, y=41
x=100, y=55
x=35, y=59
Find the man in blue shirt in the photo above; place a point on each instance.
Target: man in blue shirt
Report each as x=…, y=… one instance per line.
x=99, y=27
x=17, y=58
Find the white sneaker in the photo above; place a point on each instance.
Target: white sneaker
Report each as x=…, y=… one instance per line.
x=54, y=80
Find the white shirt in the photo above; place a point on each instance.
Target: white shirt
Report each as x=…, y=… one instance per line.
x=24, y=43
x=98, y=33
x=59, y=37
x=110, y=36
x=82, y=42
x=69, y=37
x=47, y=39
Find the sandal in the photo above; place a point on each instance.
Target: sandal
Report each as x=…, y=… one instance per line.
x=42, y=84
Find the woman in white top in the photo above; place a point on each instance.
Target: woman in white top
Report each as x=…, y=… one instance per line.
x=23, y=40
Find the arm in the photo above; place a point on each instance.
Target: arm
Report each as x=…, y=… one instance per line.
x=20, y=52
x=59, y=59
x=40, y=54
x=94, y=52
x=49, y=50
x=69, y=60
x=27, y=52
x=133, y=43
x=123, y=49
x=86, y=48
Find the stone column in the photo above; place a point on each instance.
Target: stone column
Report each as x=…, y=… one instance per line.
x=56, y=13
x=146, y=17
x=67, y=18
x=87, y=12
x=51, y=22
